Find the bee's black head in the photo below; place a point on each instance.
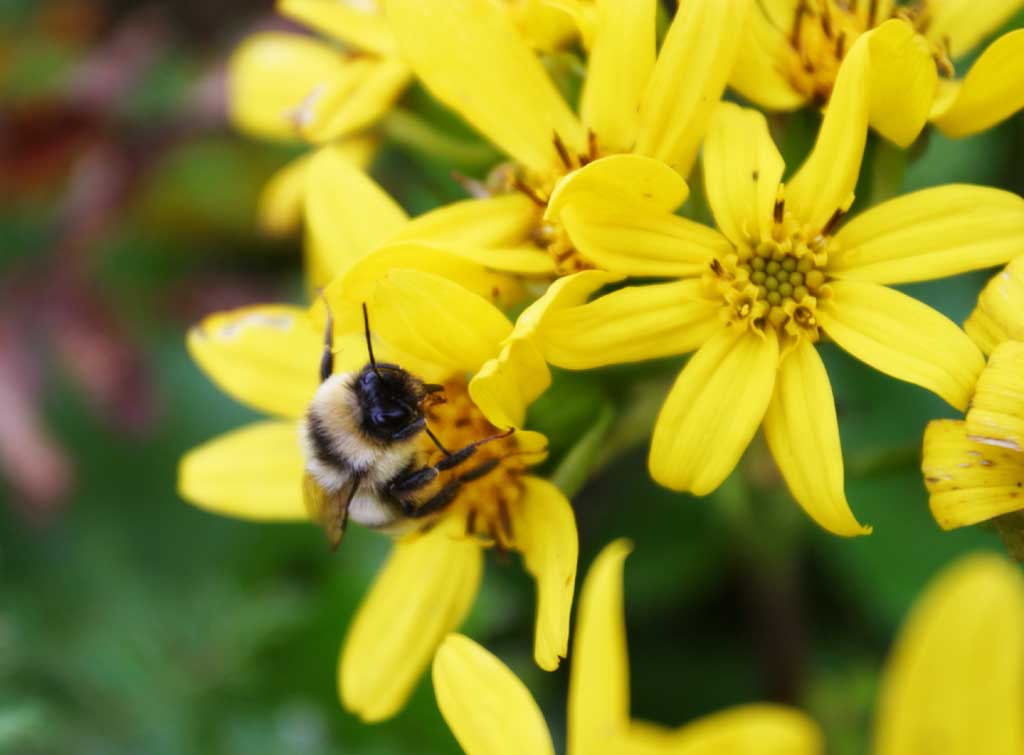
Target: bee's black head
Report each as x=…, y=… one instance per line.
x=389, y=398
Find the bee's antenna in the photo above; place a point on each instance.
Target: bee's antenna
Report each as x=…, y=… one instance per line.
x=437, y=443
x=369, y=343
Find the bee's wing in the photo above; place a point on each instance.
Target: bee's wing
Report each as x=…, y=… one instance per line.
x=329, y=510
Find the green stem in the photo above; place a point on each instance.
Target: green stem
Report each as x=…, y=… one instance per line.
x=575, y=469
x=416, y=134
x=888, y=166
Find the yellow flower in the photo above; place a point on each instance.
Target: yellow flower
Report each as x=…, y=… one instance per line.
x=954, y=683
x=267, y=358
x=754, y=297
x=974, y=469
x=491, y=712
x=792, y=50
x=470, y=57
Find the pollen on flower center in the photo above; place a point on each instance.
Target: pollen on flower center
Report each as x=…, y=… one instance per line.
x=823, y=31
x=775, y=282
x=491, y=479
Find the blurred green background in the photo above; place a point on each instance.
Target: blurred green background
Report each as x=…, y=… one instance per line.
x=131, y=622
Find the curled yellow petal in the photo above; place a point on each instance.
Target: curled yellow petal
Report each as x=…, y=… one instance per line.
x=544, y=529
x=488, y=709
x=599, y=676
x=742, y=172
x=363, y=29
x=254, y=472
x=265, y=356
x=969, y=482
x=999, y=315
x=507, y=384
x=997, y=410
x=688, y=80
x=903, y=338
x=931, y=233
x=630, y=325
x=422, y=594
x=713, y=410
x=759, y=74
x=954, y=683
x=470, y=56
x=504, y=220
x=989, y=93
x=902, y=82
x=803, y=436
x=355, y=101
x=963, y=24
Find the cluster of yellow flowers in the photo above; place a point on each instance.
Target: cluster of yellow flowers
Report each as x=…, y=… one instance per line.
x=578, y=233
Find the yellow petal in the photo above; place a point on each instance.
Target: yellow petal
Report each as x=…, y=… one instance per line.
x=899, y=105
x=422, y=594
x=931, y=234
x=969, y=482
x=544, y=25
x=470, y=56
x=346, y=21
x=505, y=220
x=631, y=179
x=269, y=77
x=742, y=172
x=688, y=80
x=488, y=709
x=996, y=415
x=620, y=62
x=803, y=436
x=990, y=92
x=438, y=321
x=347, y=213
x=964, y=24
x=545, y=533
x=999, y=315
x=630, y=325
x=599, y=675
x=713, y=410
x=903, y=338
x=506, y=385
x=254, y=472
x=634, y=240
x=759, y=729
x=347, y=104
x=954, y=683
x=764, y=51
x=267, y=356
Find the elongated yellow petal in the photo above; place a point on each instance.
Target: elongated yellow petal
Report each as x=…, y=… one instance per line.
x=713, y=410
x=954, y=684
x=803, y=436
x=545, y=533
x=631, y=179
x=996, y=415
x=347, y=213
x=969, y=482
x=742, y=172
x=254, y=472
x=266, y=356
x=506, y=220
x=688, y=80
x=903, y=338
x=363, y=29
x=963, y=25
x=422, y=594
x=632, y=324
x=989, y=93
x=902, y=82
x=282, y=199
x=487, y=708
x=544, y=25
x=269, y=77
x=599, y=676
x=346, y=105
x=999, y=315
x=470, y=56
x=438, y=321
x=635, y=240
x=759, y=73
x=931, y=234
x=506, y=385
x=620, y=62
x=759, y=729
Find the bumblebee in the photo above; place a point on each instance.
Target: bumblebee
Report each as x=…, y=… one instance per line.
x=362, y=442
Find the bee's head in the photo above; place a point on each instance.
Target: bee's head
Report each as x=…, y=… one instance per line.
x=389, y=399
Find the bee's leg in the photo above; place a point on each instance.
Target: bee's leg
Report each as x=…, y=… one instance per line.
x=440, y=500
x=327, y=360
